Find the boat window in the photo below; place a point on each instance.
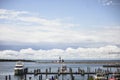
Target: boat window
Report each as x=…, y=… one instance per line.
x=18, y=66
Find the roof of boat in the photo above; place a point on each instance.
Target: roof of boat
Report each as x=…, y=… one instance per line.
x=19, y=63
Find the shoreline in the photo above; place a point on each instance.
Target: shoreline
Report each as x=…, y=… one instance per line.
x=79, y=63
x=66, y=61
x=11, y=60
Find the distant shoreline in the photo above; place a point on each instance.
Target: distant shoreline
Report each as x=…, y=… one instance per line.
x=66, y=61
x=11, y=60
x=80, y=62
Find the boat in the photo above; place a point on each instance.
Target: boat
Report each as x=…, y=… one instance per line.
x=100, y=76
x=115, y=77
x=63, y=68
x=60, y=60
x=112, y=78
x=19, y=68
x=112, y=65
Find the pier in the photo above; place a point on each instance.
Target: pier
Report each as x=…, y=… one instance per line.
x=56, y=73
x=70, y=72
x=79, y=72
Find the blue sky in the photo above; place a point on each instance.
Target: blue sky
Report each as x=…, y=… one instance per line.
x=59, y=24
x=84, y=12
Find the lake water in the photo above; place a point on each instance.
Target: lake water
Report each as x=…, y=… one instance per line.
x=7, y=68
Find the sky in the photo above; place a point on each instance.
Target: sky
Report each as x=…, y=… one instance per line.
x=47, y=29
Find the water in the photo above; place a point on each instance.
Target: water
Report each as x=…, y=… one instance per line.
x=7, y=68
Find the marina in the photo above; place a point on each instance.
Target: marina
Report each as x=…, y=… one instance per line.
x=61, y=71
x=59, y=40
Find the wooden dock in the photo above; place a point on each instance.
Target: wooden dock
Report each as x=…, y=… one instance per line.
x=56, y=74
x=62, y=73
x=69, y=72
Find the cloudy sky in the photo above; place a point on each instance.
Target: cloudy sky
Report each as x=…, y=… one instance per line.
x=72, y=29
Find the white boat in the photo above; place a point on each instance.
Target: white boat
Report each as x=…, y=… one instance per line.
x=63, y=68
x=19, y=68
x=100, y=76
x=115, y=77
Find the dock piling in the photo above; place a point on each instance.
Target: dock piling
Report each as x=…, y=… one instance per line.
x=40, y=77
x=5, y=77
x=88, y=70
x=72, y=77
x=71, y=74
x=46, y=72
x=69, y=71
x=9, y=77
x=49, y=69
x=25, y=76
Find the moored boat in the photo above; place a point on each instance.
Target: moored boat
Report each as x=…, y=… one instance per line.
x=63, y=68
x=100, y=76
x=112, y=65
x=19, y=68
x=115, y=77
x=112, y=78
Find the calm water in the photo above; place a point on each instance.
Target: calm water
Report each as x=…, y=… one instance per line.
x=7, y=68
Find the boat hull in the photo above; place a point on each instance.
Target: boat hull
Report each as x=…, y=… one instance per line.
x=19, y=71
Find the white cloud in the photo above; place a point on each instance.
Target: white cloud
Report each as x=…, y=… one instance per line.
x=110, y=2
x=39, y=34
x=56, y=31
x=69, y=53
x=10, y=14
x=5, y=11
x=27, y=17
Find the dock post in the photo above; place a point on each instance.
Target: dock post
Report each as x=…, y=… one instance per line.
x=95, y=70
x=110, y=70
x=25, y=70
x=41, y=77
x=5, y=77
x=25, y=76
x=78, y=70
x=70, y=69
x=72, y=77
x=107, y=69
x=52, y=78
x=83, y=72
x=50, y=69
x=107, y=77
x=46, y=72
x=35, y=72
x=88, y=71
x=58, y=71
x=9, y=77
x=56, y=77
x=39, y=70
